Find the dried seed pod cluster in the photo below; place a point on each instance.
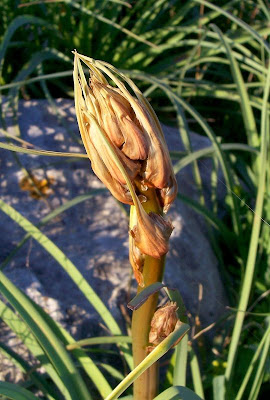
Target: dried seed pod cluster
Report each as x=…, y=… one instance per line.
x=164, y=322
x=127, y=149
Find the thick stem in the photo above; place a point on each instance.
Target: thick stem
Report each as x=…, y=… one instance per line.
x=146, y=386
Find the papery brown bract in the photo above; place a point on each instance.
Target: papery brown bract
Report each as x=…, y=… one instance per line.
x=151, y=234
x=158, y=168
x=136, y=259
x=164, y=322
x=118, y=190
x=118, y=120
x=97, y=141
x=169, y=194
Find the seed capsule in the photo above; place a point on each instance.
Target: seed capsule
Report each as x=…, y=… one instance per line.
x=126, y=146
x=151, y=234
x=164, y=322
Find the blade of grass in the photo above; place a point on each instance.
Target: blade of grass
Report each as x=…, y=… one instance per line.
x=180, y=366
x=150, y=14
x=198, y=90
x=209, y=216
x=57, y=211
x=15, y=392
x=107, y=21
x=60, y=119
x=114, y=372
x=265, y=9
x=36, y=59
x=178, y=362
x=68, y=266
x=196, y=373
x=23, y=333
x=219, y=387
x=13, y=26
x=27, y=81
x=168, y=381
x=46, y=337
x=248, y=116
x=48, y=153
x=208, y=151
x=16, y=138
x=252, y=364
x=185, y=135
x=142, y=296
x=254, y=391
x=99, y=340
x=84, y=360
x=155, y=355
x=238, y=21
x=27, y=369
x=177, y=393
x=254, y=240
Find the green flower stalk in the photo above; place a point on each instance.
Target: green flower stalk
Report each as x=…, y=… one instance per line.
x=128, y=153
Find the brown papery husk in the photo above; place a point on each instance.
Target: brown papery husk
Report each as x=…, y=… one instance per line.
x=158, y=167
x=118, y=190
x=168, y=194
x=163, y=323
x=151, y=234
x=136, y=259
x=131, y=167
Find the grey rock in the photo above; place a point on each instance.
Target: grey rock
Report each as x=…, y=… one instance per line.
x=94, y=234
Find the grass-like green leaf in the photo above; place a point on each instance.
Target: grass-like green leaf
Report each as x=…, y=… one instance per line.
x=114, y=372
x=180, y=366
x=68, y=266
x=254, y=239
x=209, y=151
x=258, y=379
x=36, y=378
x=178, y=393
x=37, y=59
x=48, y=153
x=24, y=334
x=141, y=297
x=209, y=216
x=219, y=387
x=196, y=373
x=252, y=364
x=53, y=214
x=155, y=355
x=99, y=340
x=174, y=295
x=39, y=78
x=84, y=360
x=247, y=112
x=47, y=338
x=109, y=22
x=238, y=21
x=15, y=392
x=13, y=26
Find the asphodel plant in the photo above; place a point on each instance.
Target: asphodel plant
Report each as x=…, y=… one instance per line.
x=126, y=146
